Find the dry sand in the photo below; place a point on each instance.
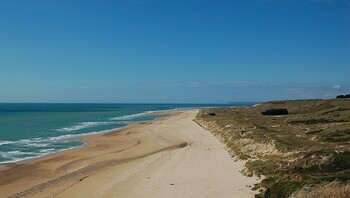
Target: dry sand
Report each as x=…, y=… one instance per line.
x=170, y=157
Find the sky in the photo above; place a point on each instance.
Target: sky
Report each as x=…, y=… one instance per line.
x=173, y=51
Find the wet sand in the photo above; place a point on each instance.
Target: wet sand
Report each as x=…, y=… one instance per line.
x=169, y=157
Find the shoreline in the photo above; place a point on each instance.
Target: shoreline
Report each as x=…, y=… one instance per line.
x=115, y=153
x=80, y=138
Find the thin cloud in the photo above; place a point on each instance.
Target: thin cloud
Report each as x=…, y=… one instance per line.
x=336, y=86
x=231, y=82
x=228, y=83
x=175, y=84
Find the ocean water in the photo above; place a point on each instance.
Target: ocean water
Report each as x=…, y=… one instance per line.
x=29, y=131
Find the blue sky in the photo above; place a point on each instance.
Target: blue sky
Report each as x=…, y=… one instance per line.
x=183, y=51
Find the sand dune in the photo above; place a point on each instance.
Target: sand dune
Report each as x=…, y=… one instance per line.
x=170, y=157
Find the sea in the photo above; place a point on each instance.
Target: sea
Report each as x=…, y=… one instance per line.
x=30, y=131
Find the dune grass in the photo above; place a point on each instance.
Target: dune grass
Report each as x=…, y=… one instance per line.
x=327, y=190
x=308, y=147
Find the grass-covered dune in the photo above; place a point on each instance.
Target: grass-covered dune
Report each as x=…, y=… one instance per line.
x=309, y=146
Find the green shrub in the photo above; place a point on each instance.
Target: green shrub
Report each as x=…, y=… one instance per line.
x=275, y=112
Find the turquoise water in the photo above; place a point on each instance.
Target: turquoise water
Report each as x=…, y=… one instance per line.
x=32, y=130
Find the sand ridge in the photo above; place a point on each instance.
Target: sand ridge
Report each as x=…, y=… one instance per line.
x=170, y=157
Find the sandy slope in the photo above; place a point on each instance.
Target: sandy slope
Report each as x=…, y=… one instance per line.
x=171, y=157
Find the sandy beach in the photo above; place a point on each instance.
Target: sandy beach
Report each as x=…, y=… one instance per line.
x=169, y=157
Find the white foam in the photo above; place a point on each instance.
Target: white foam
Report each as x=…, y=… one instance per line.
x=15, y=152
x=26, y=141
x=64, y=137
x=37, y=144
x=13, y=159
x=47, y=150
x=72, y=136
x=18, y=159
x=12, y=154
x=30, y=142
x=131, y=116
x=84, y=125
x=6, y=142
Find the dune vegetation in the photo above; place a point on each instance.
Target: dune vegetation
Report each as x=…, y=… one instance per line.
x=333, y=189
x=308, y=147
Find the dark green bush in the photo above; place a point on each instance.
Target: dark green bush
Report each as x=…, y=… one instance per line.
x=344, y=96
x=275, y=112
